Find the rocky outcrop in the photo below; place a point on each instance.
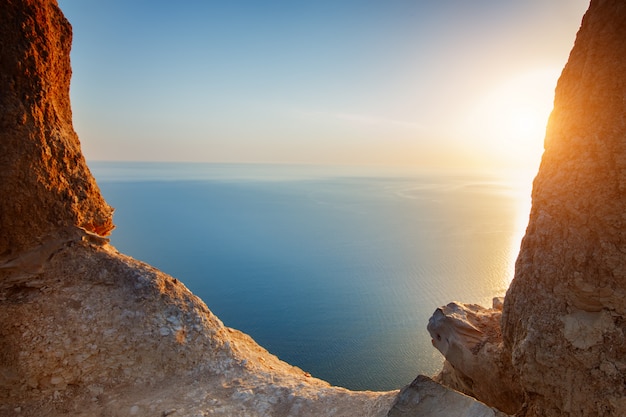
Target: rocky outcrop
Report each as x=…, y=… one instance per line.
x=469, y=337
x=99, y=333
x=564, y=319
x=44, y=182
x=563, y=345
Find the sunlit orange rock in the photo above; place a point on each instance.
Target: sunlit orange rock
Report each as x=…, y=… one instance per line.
x=564, y=319
x=45, y=185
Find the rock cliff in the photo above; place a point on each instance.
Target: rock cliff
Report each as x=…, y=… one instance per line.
x=564, y=314
x=44, y=181
x=562, y=346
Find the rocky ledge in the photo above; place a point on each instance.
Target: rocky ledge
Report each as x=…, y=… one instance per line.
x=89, y=331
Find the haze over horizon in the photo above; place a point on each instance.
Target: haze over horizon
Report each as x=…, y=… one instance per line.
x=412, y=83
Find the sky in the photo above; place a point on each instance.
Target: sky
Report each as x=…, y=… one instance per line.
x=448, y=83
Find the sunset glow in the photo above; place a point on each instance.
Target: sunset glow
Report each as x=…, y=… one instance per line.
x=510, y=119
x=440, y=84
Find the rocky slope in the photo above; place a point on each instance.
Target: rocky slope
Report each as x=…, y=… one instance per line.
x=98, y=333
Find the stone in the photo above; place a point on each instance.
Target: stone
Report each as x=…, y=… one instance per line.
x=469, y=337
x=564, y=317
x=584, y=329
x=563, y=321
x=424, y=397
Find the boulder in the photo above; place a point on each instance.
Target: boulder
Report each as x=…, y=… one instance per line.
x=469, y=337
x=425, y=398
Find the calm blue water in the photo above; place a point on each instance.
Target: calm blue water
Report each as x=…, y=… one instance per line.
x=334, y=270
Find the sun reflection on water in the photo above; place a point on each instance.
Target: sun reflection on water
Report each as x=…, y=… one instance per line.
x=522, y=183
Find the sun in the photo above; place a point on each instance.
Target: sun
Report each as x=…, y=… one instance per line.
x=509, y=120
x=525, y=122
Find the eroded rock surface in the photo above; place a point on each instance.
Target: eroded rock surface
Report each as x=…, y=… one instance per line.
x=99, y=333
x=44, y=182
x=469, y=337
x=564, y=319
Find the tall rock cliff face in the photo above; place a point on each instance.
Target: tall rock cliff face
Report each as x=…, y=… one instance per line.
x=44, y=182
x=564, y=319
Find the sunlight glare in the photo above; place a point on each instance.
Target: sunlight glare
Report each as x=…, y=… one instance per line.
x=522, y=180
x=510, y=119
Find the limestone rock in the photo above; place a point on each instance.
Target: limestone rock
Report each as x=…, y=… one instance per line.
x=425, y=398
x=44, y=182
x=118, y=337
x=564, y=319
x=469, y=337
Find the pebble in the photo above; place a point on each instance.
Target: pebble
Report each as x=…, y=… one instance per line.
x=56, y=380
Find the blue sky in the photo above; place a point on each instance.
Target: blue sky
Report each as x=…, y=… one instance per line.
x=397, y=82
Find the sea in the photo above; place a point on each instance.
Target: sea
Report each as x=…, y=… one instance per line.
x=333, y=269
